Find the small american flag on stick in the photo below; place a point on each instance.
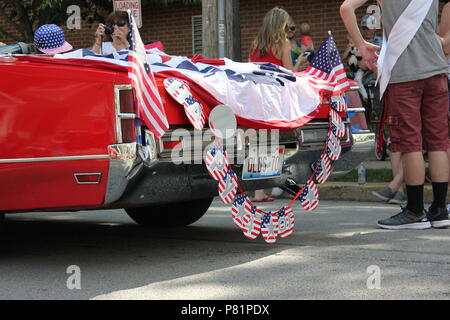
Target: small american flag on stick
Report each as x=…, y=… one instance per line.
x=328, y=68
x=149, y=103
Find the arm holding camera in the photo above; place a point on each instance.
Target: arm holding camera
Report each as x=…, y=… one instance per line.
x=98, y=39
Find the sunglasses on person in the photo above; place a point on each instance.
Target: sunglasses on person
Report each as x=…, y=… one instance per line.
x=119, y=24
x=109, y=29
x=291, y=28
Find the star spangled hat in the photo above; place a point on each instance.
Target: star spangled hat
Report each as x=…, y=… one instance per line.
x=49, y=38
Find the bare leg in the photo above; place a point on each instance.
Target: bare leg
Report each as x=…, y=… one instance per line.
x=414, y=168
x=439, y=166
x=397, y=171
x=260, y=194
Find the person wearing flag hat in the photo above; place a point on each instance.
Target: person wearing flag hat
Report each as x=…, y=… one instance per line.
x=412, y=77
x=49, y=39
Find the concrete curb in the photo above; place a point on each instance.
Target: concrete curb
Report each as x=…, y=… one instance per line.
x=350, y=191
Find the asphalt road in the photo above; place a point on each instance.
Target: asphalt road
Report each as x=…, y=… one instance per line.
x=335, y=253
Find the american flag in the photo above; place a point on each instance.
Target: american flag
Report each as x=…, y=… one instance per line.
x=228, y=187
x=337, y=126
x=269, y=227
x=310, y=196
x=149, y=103
x=327, y=68
x=216, y=160
x=286, y=222
x=252, y=223
x=323, y=169
x=241, y=207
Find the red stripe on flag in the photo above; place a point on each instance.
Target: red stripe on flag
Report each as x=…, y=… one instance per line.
x=149, y=102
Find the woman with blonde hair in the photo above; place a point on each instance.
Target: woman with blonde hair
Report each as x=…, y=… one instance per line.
x=271, y=43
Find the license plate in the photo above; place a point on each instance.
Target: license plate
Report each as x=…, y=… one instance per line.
x=263, y=164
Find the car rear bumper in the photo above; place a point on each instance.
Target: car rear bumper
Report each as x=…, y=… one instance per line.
x=147, y=183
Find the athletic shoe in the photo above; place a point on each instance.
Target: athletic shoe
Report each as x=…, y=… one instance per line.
x=406, y=220
x=384, y=194
x=399, y=198
x=439, y=218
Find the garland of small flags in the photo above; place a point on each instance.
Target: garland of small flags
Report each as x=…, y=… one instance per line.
x=245, y=215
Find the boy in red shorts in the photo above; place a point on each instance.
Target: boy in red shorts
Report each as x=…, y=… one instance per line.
x=412, y=80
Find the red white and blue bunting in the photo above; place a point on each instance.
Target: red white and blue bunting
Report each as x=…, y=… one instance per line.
x=252, y=221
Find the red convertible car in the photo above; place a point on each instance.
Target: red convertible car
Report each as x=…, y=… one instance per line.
x=71, y=139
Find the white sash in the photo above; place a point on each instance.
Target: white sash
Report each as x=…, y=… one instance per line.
x=400, y=37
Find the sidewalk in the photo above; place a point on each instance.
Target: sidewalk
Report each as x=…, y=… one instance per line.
x=352, y=191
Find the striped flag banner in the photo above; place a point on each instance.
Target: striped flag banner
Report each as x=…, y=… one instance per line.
x=323, y=169
x=216, y=160
x=333, y=148
x=286, y=222
x=338, y=103
x=310, y=196
x=228, y=187
x=269, y=227
x=241, y=207
x=179, y=90
x=337, y=126
x=252, y=223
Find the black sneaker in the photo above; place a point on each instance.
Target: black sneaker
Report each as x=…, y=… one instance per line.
x=406, y=220
x=385, y=193
x=439, y=218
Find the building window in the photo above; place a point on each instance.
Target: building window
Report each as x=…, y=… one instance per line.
x=197, y=33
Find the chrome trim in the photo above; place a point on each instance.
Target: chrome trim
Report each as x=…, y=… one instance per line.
x=123, y=166
x=237, y=146
x=126, y=116
x=47, y=159
x=149, y=150
x=356, y=110
x=98, y=174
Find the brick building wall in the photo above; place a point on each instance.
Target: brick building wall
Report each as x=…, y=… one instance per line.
x=173, y=25
x=322, y=15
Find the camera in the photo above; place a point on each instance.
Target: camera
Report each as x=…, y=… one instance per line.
x=108, y=30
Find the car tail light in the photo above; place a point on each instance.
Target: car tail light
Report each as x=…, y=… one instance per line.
x=172, y=144
x=127, y=122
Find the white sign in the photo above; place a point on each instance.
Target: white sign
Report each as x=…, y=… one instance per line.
x=133, y=5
